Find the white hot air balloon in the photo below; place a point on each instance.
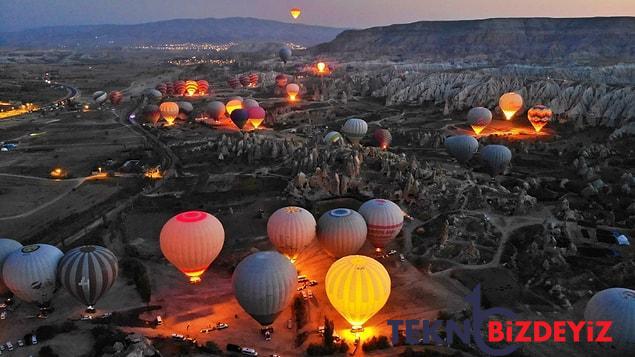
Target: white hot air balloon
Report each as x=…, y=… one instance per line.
x=461, y=147
x=291, y=229
x=341, y=232
x=616, y=305
x=384, y=220
x=355, y=130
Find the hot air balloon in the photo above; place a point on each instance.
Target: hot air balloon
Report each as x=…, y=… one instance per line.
x=169, y=88
x=239, y=117
x=233, y=82
x=496, y=158
x=618, y=306
x=152, y=113
x=185, y=107
x=162, y=87
x=244, y=80
x=87, y=273
x=179, y=88
x=358, y=287
x=191, y=241
x=461, y=147
x=253, y=79
x=99, y=97
x=264, y=284
x=383, y=138
x=384, y=220
x=216, y=110
x=321, y=66
x=291, y=229
x=333, y=137
x=169, y=111
x=285, y=54
x=191, y=87
x=31, y=272
x=354, y=129
x=539, y=116
x=293, y=90
x=256, y=116
x=341, y=232
x=250, y=103
x=115, y=97
x=153, y=94
x=478, y=118
x=281, y=80
x=7, y=246
x=295, y=12
x=510, y=103
x=233, y=105
x=202, y=87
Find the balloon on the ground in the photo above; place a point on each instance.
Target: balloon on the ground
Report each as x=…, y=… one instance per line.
x=185, y=107
x=355, y=130
x=179, y=88
x=115, y=97
x=256, y=116
x=250, y=103
x=233, y=82
x=7, y=246
x=169, y=111
x=30, y=273
x=281, y=80
x=239, y=117
x=357, y=287
x=152, y=113
x=383, y=137
x=253, y=79
x=291, y=229
x=478, y=118
x=333, y=137
x=341, y=232
x=264, y=284
x=215, y=110
x=99, y=97
x=539, y=116
x=496, y=158
x=234, y=104
x=293, y=90
x=461, y=147
x=384, y=220
x=618, y=306
x=244, y=80
x=202, y=87
x=88, y=272
x=510, y=103
x=191, y=241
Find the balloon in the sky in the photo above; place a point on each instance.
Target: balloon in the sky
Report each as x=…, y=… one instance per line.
x=461, y=147
x=384, y=220
x=341, y=232
x=7, y=246
x=88, y=272
x=478, y=118
x=539, y=116
x=618, y=306
x=496, y=158
x=191, y=241
x=169, y=111
x=510, y=103
x=291, y=229
x=256, y=116
x=295, y=12
x=216, y=110
x=264, y=284
x=355, y=129
x=285, y=54
x=293, y=90
x=358, y=287
x=239, y=117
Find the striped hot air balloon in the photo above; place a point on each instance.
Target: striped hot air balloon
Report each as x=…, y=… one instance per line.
x=281, y=80
x=203, y=87
x=355, y=129
x=295, y=12
x=333, y=137
x=191, y=241
x=152, y=113
x=291, y=229
x=233, y=82
x=169, y=88
x=478, y=118
x=191, y=87
x=461, y=147
x=88, y=272
x=162, y=87
x=169, y=111
x=341, y=232
x=253, y=79
x=382, y=137
x=539, y=116
x=384, y=220
x=496, y=158
x=618, y=306
x=179, y=88
x=244, y=80
x=510, y=103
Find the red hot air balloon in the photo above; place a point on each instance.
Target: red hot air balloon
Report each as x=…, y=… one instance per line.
x=169, y=88
x=384, y=220
x=383, y=138
x=169, y=111
x=281, y=80
x=179, y=88
x=191, y=87
x=191, y=241
x=539, y=116
x=233, y=82
x=203, y=87
x=115, y=97
x=161, y=87
x=152, y=113
x=253, y=79
x=256, y=116
x=244, y=80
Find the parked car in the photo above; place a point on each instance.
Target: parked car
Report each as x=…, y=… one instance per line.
x=313, y=283
x=159, y=320
x=9, y=346
x=302, y=278
x=20, y=343
x=247, y=351
x=402, y=258
x=34, y=340
x=3, y=315
x=207, y=330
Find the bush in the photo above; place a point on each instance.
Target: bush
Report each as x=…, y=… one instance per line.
x=301, y=338
x=134, y=270
x=47, y=351
x=106, y=337
x=211, y=347
x=376, y=343
x=299, y=312
x=47, y=332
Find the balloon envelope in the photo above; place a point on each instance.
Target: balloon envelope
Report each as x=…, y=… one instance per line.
x=496, y=158
x=461, y=147
x=88, y=272
x=478, y=118
x=233, y=105
x=169, y=111
x=216, y=110
x=264, y=284
x=239, y=117
x=292, y=90
x=341, y=232
x=281, y=80
x=616, y=305
x=358, y=287
x=250, y=103
x=383, y=137
x=539, y=116
x=115, y=97
x=295, y=12
x=355, y=129
x=285, y=54
x=100, y=97
x=191, y=241
x=510, y=103
x=333, y=137
x=291, y=229
x=7, y=246
x=384, y=220
x=256, y=116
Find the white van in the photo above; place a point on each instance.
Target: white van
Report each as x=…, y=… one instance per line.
x=248, y=351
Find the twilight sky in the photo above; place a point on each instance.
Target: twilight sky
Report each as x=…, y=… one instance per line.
x=19, y=14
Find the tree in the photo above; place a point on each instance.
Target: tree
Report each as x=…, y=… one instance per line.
x=299, y=312
x=328, y=332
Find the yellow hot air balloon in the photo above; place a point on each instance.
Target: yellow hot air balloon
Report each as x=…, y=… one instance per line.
x=510, y=103
x=358, y=287
x=295, y=12
x=321, y=66
x=191, y=87
x=169, y=111
x=233, y=105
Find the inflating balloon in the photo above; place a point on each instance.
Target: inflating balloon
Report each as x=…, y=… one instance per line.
x=478, y=118
x=539, y=116
x=510, y=103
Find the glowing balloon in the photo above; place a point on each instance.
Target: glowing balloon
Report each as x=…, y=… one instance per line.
x=341, y=232
x=510, y=103
x=539, y=116
x=162, y=87
x=256, y=116
x=253, y=79
x=358, y=287
x=191, y=241
x=264, y=284
x=169, y=111
x=293, y=90
x=383, y=138
x=233, y=105
x=202, y=87
x=291, y=229
x=244, y=80
x=295, y=12
x=478, y=118
x=233, y=82
x=384, y=220
x=152, y=113
x=321, y=66
x=191, y=87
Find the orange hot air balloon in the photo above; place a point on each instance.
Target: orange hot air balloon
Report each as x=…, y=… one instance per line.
x=169, y=111
x=539, y=116
x=510, y=103
x=191, y=241
x=295, y=12
x=293, y=90
x=321, y=66
x=233, y=105
x=191, y=87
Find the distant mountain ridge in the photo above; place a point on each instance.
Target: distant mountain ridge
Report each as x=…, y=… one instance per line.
x=517, y=40
x=211, y=30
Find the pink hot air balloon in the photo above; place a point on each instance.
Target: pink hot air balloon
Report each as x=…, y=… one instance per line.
x=244, y=80
x=203, y=87
x=179, y=88
x=291, y=229
x=256, y=116
x=384, y=220
x=253, y=79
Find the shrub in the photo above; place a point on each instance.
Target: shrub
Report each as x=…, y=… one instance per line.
x=211, y=347
x=134, y=270
x=299, y=312
x=376, y=343
x=47, y=351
